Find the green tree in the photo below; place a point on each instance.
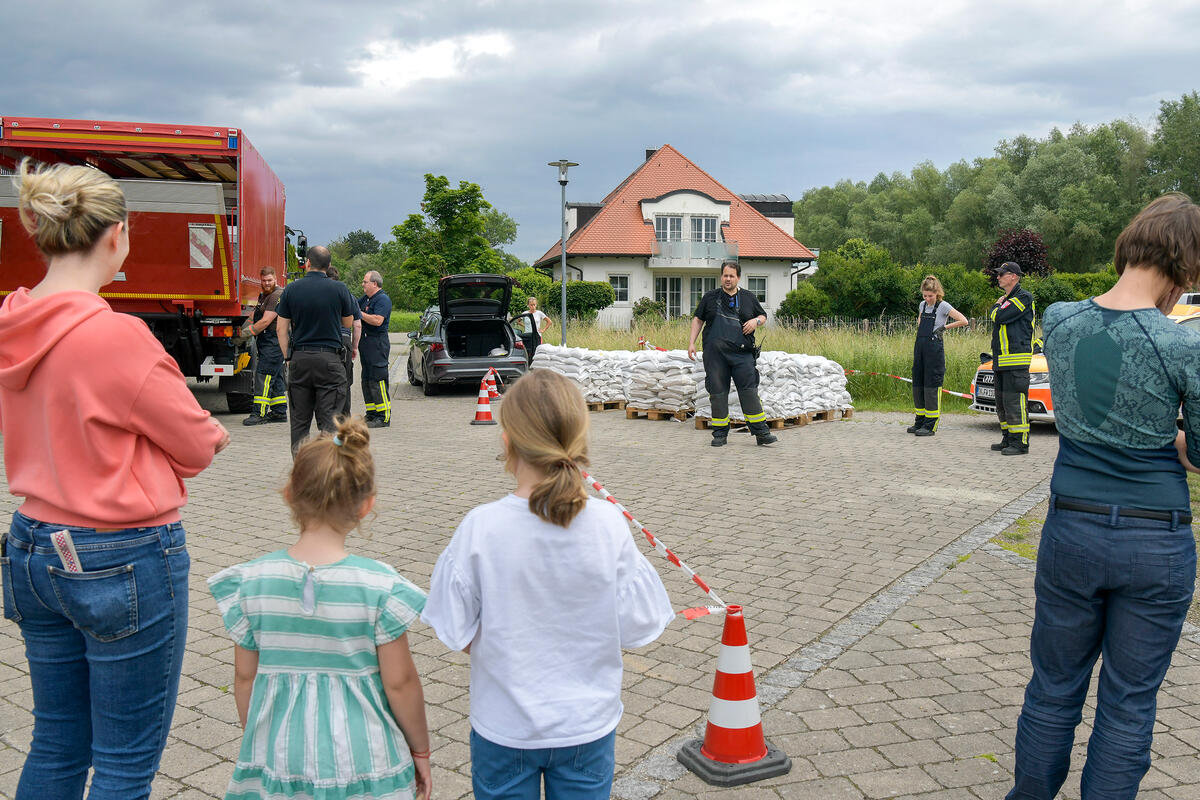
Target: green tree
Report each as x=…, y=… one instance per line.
x=361, y=241
x=446, y=239
x=804, y=302
x=1175, y=154
x=499, y=228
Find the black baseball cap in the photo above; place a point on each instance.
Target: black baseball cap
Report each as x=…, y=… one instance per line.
x=1009, y=266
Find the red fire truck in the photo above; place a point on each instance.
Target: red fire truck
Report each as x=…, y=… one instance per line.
x=206, y=214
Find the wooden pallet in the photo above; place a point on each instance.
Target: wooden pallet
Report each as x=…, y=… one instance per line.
x=832, y=415
x=607, y=405
x=654, y=413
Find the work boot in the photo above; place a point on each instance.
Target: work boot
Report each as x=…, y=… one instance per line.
x=1015, y=449
x=925, y=430
x=255, y=419
x=916, y=426
x=1001, y=445
x=276, y=417
x=720, y=441
x=766, y=438
x=376, y=423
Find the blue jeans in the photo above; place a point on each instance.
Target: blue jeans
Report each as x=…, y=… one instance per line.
x=104, y=646
x=1111, y=585
x=580, y=772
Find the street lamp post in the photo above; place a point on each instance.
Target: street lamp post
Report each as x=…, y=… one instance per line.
x=562, y=165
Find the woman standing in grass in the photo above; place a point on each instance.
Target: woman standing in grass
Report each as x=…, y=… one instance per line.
x=929, y=356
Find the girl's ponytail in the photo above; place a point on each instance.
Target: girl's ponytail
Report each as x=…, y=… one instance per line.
x=546, y=422
x=332, y=476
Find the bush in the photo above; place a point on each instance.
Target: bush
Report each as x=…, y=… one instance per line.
x=584, y=298
x=804, y=302
x=1051, y=289
x=528, y=282
x=1020, y=245
x=1088, y=284
x=647, y=309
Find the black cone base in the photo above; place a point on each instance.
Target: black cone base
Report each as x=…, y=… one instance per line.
x=718, y=773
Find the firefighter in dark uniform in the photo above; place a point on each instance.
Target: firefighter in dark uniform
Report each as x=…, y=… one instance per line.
x=350, y=337
x=729, y=317
x=929, y=355
x=270, y=386
x=373, y=350
x=1012, y=350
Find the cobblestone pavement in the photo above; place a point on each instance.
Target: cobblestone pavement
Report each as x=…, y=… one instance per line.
x=889, y=641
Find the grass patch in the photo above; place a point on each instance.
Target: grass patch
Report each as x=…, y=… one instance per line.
x=868, y=351
x=1023, y=549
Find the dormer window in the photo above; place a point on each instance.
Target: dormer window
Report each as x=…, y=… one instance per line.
x=704, y=229
x=668, y=228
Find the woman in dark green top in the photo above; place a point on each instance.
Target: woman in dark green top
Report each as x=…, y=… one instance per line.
x=1117, y=561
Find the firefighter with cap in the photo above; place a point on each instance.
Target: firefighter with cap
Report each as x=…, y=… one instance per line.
x=270, y=398
x=373, y=349
x=729, y=317
x=1012, y=350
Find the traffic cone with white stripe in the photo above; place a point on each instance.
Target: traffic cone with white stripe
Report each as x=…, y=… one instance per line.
x=493, y=390
x=483, y=407
x=734, y=751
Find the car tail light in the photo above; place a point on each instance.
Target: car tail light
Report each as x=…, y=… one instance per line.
x=436, y=347
x=518, y=345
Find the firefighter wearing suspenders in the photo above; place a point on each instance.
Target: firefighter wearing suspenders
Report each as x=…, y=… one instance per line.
x=929, y=355
x=373, y=350
x=270, y=389
x=1012, y=350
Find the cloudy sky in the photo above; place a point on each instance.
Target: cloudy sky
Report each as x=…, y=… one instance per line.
x=352, y=101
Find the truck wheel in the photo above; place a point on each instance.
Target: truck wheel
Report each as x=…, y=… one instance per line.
x=239, y=402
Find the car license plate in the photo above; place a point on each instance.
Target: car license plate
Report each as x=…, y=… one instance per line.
x=985, y=392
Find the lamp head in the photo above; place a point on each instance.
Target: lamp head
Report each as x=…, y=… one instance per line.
x=562, y=165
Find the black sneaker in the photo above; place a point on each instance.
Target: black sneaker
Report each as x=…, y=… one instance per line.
x=255, y=419
x=767, y=438
x=1015, y=450
x=720, y=441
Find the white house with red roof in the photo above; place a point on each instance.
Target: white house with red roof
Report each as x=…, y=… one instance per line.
x=664, y=232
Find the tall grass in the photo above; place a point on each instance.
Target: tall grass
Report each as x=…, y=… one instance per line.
x=887, y=352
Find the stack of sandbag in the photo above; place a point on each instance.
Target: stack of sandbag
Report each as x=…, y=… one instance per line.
x=600, y=374
x=662, y=380
x=790, y=384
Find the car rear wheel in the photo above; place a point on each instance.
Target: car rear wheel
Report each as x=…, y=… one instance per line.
x=429, y=388
x=412, y=376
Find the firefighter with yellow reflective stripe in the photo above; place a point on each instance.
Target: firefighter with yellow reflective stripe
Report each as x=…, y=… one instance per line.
x=1012, y=350
x=373, y=350
x=270, y=388
x=729, y=317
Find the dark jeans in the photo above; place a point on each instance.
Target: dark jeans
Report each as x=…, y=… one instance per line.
x=1012, y=394
x=579, y=772
x=104, y=647
x=317, y=387
x=1111, y=585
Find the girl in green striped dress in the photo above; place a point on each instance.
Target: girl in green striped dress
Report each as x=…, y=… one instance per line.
x=325, y=684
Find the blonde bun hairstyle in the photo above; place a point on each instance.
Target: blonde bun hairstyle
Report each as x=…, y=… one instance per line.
x=932, y=284
x=66, y=208
x=332, y=476
x=546, y=422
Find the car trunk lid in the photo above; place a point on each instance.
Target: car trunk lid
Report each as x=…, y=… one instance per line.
x=478, y=296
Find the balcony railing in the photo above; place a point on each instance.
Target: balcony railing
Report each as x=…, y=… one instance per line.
x=686, y=253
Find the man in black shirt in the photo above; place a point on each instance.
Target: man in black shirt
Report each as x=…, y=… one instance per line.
x=729, y=317
x=311, y=315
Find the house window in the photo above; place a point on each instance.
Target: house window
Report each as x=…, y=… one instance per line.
x=668, y=228
x=698, y=287
x=669, y=291
x=620, y=284
x=704, y=229
x=757, y=284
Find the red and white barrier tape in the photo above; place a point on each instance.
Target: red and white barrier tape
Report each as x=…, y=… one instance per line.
x=657, y=544
x=907, y=380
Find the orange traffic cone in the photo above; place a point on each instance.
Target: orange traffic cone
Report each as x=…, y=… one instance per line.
x=483, y=408
x=493, y=390
x=734, y=751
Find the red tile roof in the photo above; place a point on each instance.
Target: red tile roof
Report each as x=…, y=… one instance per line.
x=619, y=229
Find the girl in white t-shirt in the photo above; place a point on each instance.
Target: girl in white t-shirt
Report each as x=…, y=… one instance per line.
x=543, y=588
x=539, y=320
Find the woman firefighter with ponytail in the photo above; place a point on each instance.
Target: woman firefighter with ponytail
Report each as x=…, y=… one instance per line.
x=543, y=588
x=929, y=357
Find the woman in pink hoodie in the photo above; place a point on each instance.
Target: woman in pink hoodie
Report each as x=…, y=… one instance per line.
x=99, y=432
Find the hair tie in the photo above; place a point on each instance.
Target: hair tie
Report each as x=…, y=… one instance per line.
x=566, y=463
x=338, y=440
